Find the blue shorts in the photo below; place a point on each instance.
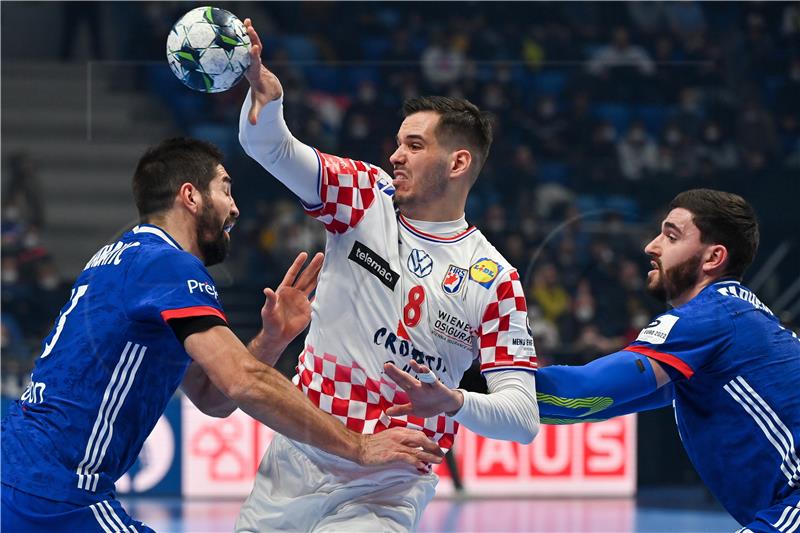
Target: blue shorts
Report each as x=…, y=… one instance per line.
x=24, y=512
x=783, y=517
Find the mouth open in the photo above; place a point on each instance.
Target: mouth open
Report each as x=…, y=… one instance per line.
x=228, y=227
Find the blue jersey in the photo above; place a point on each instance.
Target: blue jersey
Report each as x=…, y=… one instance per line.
x=107, y=369
x=737, y=399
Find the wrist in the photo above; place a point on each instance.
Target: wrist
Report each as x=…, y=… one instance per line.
x=455, y=403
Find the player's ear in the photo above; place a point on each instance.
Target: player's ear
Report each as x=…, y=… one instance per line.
x=716, y=258
x=189, y=197
x=461, y=162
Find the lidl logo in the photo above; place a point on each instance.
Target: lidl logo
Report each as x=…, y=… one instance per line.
x=484, y=272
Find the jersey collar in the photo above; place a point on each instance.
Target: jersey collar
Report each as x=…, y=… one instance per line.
x=155, y=230
x=444, y=232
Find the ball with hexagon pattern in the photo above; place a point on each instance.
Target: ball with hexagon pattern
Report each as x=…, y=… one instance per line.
x=208, y=49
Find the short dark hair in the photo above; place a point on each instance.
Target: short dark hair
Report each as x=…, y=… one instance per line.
x=723, y=218
x=460, y=121
x=165, y=167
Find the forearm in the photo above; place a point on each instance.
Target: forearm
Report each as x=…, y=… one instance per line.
x=660, y=398
x=204, y=394
x=508, y=412
x=274, y=147
x=272, y=399
x=584, y=391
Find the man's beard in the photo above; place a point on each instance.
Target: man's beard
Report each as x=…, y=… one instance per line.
x=677, y=280
x=211, y=238
x=432, y=187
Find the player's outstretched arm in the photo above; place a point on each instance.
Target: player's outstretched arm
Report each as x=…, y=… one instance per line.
x=286, y=313
x=598, y=390
x=552, y=415
x=508, y=412
x=267, y=396
x=264, y=135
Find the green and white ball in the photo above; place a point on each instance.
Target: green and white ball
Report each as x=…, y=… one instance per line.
x=208, y=49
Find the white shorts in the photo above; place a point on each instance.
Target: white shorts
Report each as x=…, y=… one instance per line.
x=299, y=488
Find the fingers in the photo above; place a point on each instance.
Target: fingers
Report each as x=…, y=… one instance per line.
x=271, y=300
x=294, y=269
x=419, y=440
x=418, y=368
x=400, y=410
x=405, y=380
x=255, y=40
x=307, y=281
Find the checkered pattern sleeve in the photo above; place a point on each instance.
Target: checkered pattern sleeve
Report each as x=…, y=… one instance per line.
x=347, y=190
x=504, y=337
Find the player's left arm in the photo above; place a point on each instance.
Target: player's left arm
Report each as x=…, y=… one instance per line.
x=592, y=391
x=669, y=349
x=285, y=314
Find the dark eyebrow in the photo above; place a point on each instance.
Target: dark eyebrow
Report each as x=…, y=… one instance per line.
x=227, y=179
x=672, y=226
x=411, y=137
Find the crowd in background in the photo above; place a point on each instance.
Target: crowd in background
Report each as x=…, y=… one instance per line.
x=601, y=113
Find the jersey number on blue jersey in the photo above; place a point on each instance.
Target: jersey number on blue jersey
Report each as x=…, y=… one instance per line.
x=76, y=295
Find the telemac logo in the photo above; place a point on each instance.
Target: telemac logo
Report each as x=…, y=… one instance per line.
x=374, y=264
x=203, y=287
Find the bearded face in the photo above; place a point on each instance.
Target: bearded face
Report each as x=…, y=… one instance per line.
x=667, y=285
x=212, y=237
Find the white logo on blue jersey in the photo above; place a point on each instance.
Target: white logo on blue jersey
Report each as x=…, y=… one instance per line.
x=658, y=330
x=203, y=287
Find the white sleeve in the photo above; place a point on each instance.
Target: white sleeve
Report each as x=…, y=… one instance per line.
x=271, y=143
x=508, y=412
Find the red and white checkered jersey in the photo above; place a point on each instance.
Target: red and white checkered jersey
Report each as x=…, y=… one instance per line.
x=389, y=292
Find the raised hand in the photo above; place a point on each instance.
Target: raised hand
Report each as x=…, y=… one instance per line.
x=427, y=398
x=400, y=445
x=265, y=86
x=287, y=310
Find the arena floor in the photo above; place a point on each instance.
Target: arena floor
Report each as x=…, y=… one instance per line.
x=473, y=515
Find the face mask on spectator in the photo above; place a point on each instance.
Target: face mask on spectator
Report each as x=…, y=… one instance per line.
x=9, y=275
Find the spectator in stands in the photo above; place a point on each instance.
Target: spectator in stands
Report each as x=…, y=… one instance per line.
x=637, y=152
x=756, y=135
x=622, y=67
x=716, y=149
x=548, y=293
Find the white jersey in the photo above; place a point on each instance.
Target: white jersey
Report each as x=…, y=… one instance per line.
x=389, y=292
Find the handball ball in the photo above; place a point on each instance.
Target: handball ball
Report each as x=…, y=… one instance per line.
x=208, y=49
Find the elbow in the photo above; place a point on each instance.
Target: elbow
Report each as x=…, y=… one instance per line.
x=528, y=432
x=219, y=411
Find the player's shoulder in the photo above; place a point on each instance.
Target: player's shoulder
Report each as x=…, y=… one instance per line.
x=703, y=317
x=735, y=298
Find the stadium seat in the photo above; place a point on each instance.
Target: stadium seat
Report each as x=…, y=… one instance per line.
x=619, y=115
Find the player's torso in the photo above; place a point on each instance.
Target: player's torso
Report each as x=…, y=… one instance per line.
x=98, y=387
x=389, y=292
x=740, y=416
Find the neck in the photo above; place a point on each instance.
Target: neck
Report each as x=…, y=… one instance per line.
x=179, y=228
x=691, y=293
x=441, y=209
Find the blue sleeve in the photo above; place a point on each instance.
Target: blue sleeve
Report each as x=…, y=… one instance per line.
x=655, y=400
x=583, y=391
x=172, y=285
x=687, y=338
